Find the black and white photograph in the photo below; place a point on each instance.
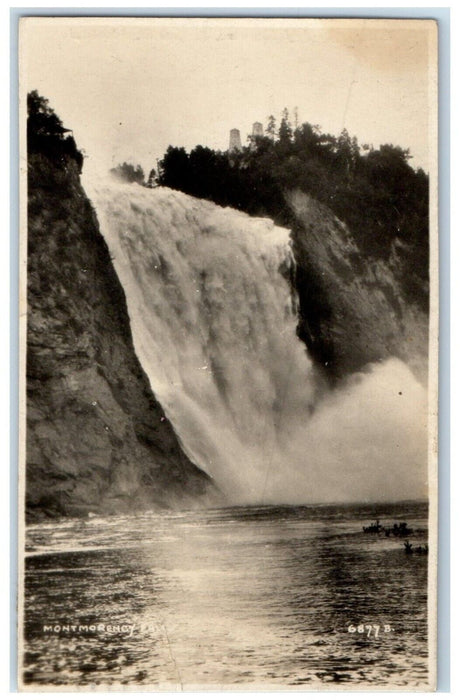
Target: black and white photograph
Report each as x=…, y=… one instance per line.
x=228, y=354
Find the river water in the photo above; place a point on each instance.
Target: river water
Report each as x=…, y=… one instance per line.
x=240, y=597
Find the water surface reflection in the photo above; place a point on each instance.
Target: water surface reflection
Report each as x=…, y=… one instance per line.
x=257, y=597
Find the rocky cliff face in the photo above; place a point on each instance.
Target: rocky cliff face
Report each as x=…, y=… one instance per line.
x=352, y=310
x=97, y=439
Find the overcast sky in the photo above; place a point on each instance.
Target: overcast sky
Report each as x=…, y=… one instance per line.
x=129, y=88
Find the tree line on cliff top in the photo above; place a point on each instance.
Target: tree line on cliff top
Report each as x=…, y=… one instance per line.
x=46, y=134
x=376, y=192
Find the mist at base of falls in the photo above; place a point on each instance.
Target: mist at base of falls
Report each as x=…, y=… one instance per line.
x=214, y=321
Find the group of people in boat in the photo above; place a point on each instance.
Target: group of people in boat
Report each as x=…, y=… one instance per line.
x=398, y=529
x=410, y=549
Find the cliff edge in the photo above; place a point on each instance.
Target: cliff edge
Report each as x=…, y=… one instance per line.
x=97, y=439
x=353, y=310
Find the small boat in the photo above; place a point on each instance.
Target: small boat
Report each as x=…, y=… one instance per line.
x=409, y=549
x=401, y=530
x=374, y=527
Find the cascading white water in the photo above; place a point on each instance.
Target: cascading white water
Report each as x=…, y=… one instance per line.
x=214, y=326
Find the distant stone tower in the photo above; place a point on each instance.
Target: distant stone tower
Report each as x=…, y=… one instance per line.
x=235, y=140
x=257, y=129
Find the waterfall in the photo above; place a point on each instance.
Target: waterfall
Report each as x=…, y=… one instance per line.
x=213, y=317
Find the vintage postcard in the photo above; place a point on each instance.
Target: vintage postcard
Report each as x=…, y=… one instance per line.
x=229, y=317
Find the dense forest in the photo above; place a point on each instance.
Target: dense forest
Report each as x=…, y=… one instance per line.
x=376, y=192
